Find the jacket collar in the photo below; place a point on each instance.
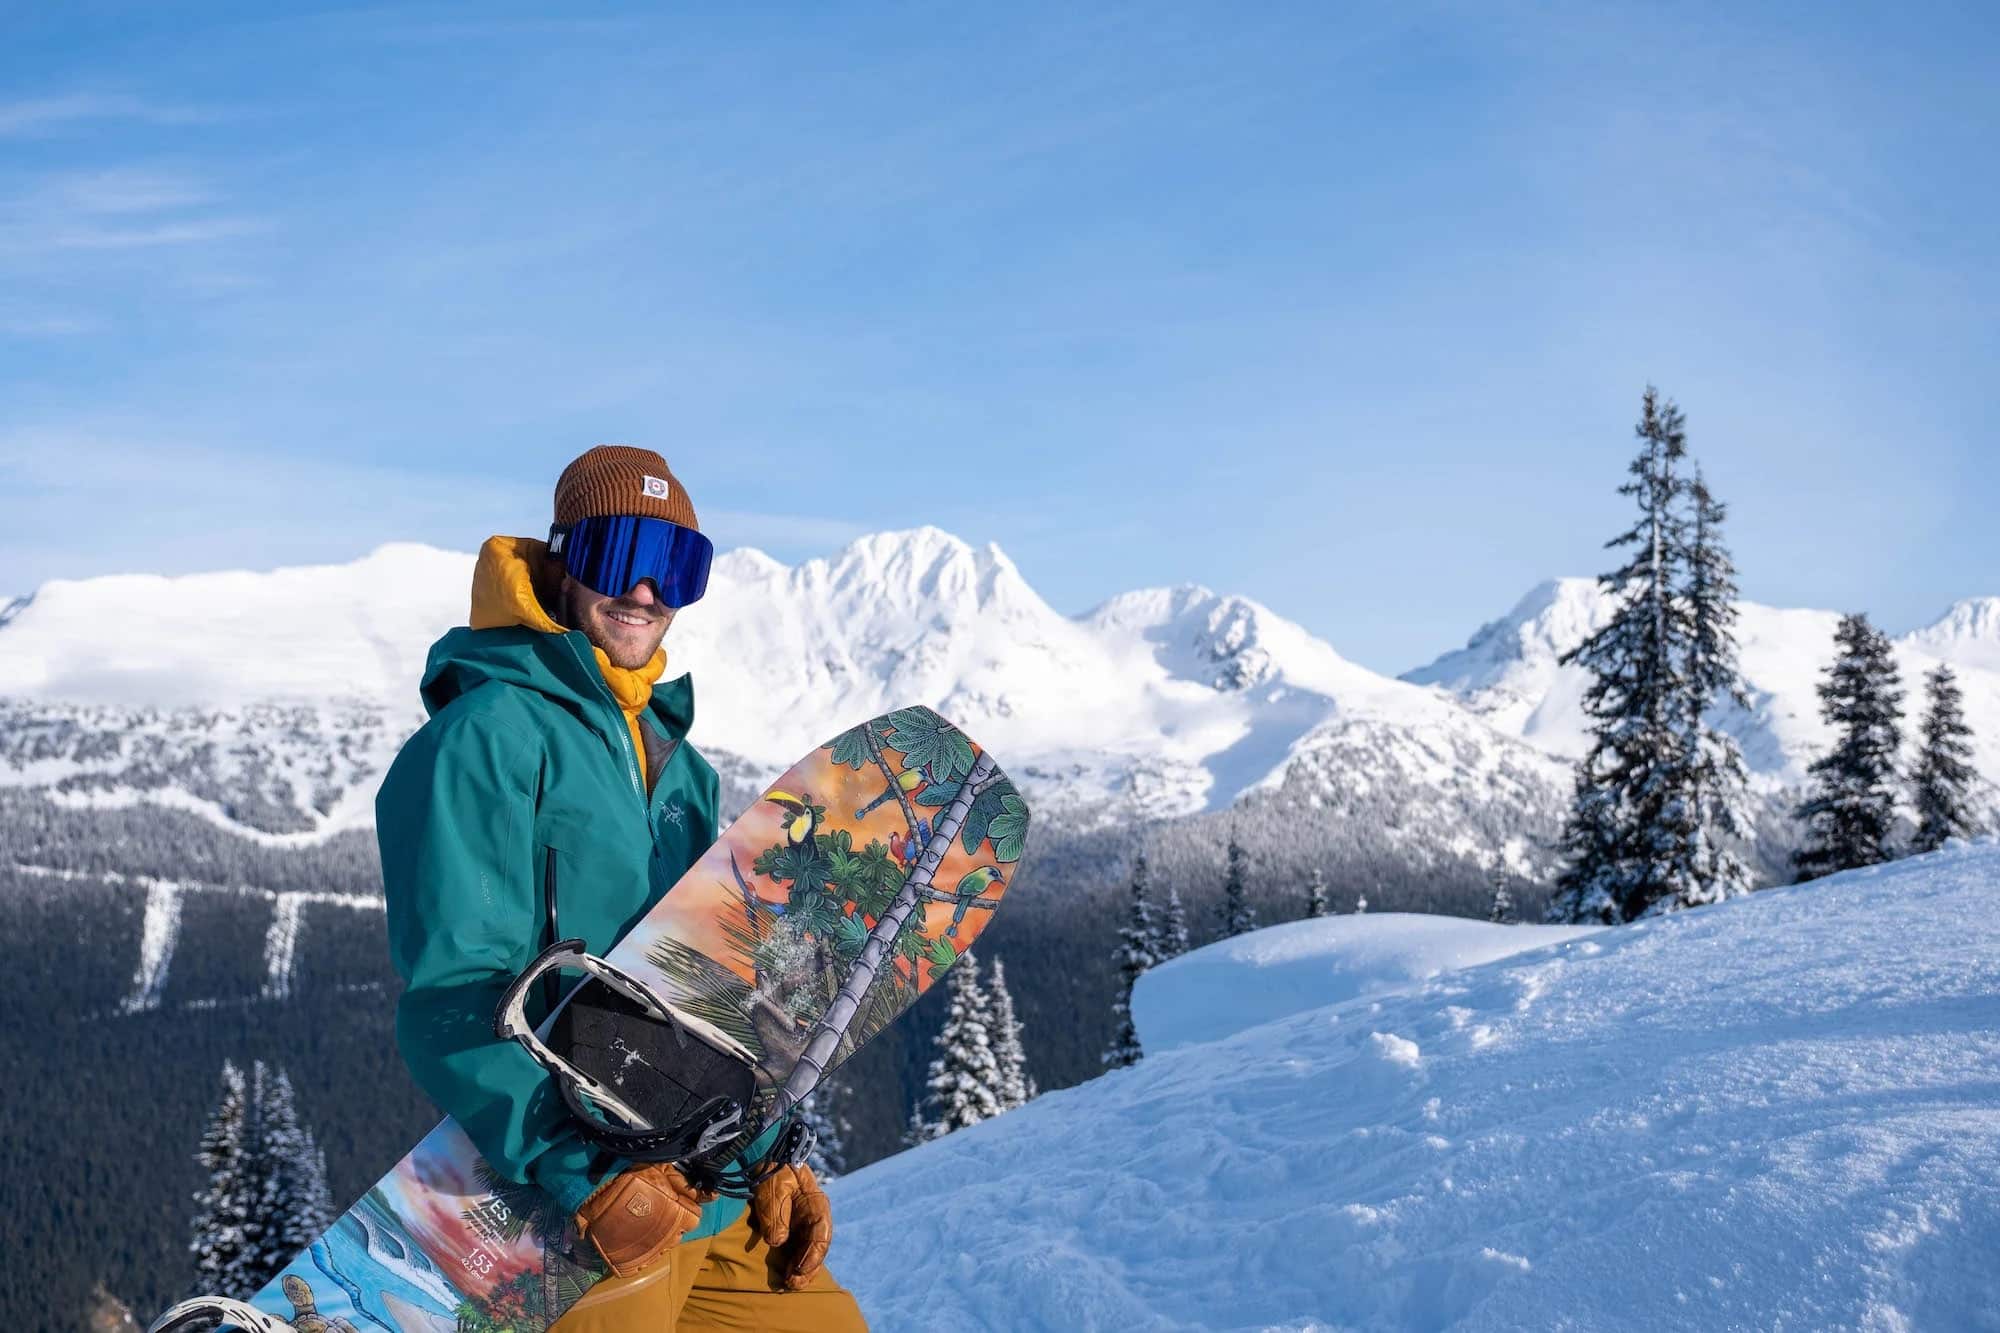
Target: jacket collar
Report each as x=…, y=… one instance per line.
x=505, y=581
x=511, y=637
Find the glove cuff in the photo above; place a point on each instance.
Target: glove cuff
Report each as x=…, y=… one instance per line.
x=634, y=1218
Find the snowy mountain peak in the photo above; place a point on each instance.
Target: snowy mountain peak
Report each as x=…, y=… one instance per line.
x=1966, y=635
x=1148, y=606
x=1510, y=674
x=920, y=571
x=1520, y=646
x=747, y=564
x=1228, y=642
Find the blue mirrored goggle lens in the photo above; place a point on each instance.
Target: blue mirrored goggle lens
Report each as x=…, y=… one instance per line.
x=609, y=555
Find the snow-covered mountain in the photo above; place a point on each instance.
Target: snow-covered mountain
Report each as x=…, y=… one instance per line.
x=1774, y=1113
x=1509, y=673
x=271, y=701
x=1160, y=703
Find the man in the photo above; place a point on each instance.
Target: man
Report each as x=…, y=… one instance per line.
x=551, y=795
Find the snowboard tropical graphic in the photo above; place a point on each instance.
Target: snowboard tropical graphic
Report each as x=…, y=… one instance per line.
x=817, y=917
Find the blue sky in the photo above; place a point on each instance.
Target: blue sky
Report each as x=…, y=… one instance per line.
x=1346, y=308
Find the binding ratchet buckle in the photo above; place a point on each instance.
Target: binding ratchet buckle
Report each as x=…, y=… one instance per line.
x=602, y=1116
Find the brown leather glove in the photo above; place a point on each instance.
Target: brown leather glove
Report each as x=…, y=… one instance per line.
x=789, y=1212
x=638, y=1215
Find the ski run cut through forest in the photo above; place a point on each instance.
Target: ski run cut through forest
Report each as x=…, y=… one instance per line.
x=1778, y=1112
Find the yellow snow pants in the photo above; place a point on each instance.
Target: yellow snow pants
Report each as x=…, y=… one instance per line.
x=720, y=1283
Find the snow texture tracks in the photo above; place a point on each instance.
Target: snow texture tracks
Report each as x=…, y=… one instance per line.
x=160, y=929
x=1783, y=1112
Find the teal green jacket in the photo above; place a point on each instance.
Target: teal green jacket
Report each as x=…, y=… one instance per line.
x=526, y=763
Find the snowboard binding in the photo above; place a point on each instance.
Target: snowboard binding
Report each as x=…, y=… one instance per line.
x=642, y=1079
x=207, y=1312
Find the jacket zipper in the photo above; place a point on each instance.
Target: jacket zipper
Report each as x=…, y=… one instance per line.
x=624, y=730
x=551, y=987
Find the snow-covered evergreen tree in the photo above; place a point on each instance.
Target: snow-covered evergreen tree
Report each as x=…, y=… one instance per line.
x=1017, y=1085
x=1851, y=806
x=1944, y=774
x=1502, y=912
x=1235, y=911
x=963, y=1086
x=1173, y=940
x=1718, y=780
x=224, y=1243
x=826, y=1112
x=1629, y=840
x=1137, y=940
x=267, y=1197
x=1316, y=894
x=294, y=1204
x=1361, y=902
x=918, y=1129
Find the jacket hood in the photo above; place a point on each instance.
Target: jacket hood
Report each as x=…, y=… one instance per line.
x=510, y=637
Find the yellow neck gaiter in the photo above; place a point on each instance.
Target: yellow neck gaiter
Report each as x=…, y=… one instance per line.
x=505, y=581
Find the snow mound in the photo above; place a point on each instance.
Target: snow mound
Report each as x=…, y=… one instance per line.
x=1782, y=1112
x=1239, y=983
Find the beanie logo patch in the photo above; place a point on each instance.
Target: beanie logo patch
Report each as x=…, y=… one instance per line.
x=657, y=488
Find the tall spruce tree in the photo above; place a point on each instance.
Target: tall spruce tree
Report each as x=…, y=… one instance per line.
x=224, y=1243
x=1629, y=840
x=267, y=1198
x=1502, y=912
x=1942, y=782
x=1173, y=938
x=1316, y=905
x=294, y=1203
x=1235, y=912
x=1017, y=1085
x=1851, y=805
x=1718, y=782
x=1137, y=940
x=963, y=1085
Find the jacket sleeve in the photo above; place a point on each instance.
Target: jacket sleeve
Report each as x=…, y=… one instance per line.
x=455, y=819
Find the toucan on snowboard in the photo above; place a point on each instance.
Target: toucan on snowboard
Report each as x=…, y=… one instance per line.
x=817, y=917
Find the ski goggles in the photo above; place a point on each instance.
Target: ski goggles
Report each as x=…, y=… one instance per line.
x=609, y=555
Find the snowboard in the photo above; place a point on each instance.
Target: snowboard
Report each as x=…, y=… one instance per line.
x=821, y=914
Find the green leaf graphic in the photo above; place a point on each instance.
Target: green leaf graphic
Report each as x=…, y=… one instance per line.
x=928, y=741
x=1009, y=829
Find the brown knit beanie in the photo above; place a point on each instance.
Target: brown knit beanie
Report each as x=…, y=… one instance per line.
x=614, y=479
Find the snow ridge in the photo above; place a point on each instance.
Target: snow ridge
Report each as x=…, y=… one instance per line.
x=1510, y=674
x=1784, y=1103
x=1162, y=702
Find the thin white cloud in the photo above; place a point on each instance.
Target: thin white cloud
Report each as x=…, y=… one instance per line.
x=26, y=325
x=133, y=238
x=123, y=208
x=43, y=115
x=118, y=190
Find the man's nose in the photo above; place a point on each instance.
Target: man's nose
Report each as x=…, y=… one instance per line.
x=644, y=593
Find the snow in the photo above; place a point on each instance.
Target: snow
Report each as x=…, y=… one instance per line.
x=1968, y=635
x=1282, y=970
x=1160, y=702
x=1171, y=700
x=1779, y=1112
x=1510, y=675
